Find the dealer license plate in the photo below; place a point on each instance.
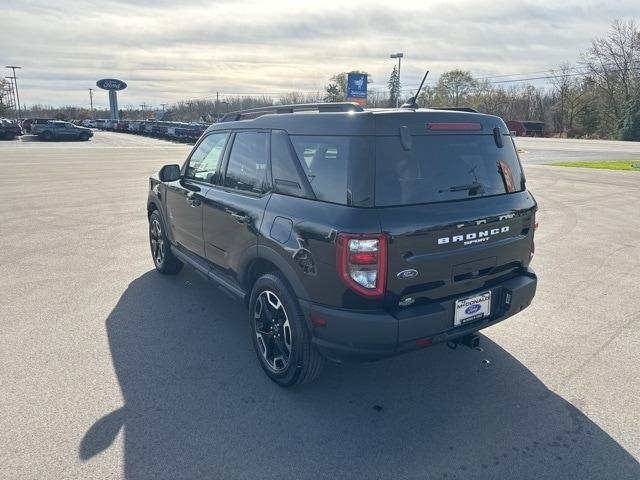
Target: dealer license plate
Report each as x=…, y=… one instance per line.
x=472, y=308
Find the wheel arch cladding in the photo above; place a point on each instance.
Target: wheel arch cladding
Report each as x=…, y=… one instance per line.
x=151, y=207
x=268, y=258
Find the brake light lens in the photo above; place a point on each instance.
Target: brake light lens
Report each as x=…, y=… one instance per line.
x=454, y=126
x=362, y=263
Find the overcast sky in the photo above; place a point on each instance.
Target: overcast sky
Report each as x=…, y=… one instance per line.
x=168, y=50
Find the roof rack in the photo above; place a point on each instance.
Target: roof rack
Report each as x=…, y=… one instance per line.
x=300, y=107
x=455, y=109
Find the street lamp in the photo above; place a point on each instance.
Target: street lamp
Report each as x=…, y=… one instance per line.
x=399, y=56
x=15, y=82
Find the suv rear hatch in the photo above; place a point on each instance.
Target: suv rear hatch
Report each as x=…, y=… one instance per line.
x=451, y=198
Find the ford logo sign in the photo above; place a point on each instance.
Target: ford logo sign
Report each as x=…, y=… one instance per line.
x=471, y=309
x=111, y=84
x=405, y=274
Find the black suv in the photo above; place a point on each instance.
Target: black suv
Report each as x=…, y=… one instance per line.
x=9, y=129
x=351, y=234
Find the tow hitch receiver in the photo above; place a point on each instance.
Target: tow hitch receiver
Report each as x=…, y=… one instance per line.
x=472, y=340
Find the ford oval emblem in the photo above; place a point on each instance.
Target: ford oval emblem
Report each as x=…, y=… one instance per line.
x=405, y=274
x=471, y=309
x=111, y=84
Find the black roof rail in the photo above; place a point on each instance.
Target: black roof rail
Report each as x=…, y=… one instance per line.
x=300, y=107
x=455, y=109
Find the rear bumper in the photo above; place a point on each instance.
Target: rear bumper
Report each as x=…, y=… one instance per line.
x=366, y=336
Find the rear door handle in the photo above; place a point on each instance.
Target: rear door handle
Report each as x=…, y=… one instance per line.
x=239, y=217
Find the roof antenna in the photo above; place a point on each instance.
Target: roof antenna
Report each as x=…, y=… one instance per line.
x=412, y=101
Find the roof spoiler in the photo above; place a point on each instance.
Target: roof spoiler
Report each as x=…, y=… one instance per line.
x=300, y=107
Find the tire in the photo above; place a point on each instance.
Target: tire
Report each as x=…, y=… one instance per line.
x=47, y=136
x=164, y=260
x=275, y=317
x=84, y=137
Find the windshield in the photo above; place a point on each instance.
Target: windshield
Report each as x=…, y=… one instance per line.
x=440, y=168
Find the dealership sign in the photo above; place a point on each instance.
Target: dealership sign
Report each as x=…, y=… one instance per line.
x=357, y=88
x=111, y=84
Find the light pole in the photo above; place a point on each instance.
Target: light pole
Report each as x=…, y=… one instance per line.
x=15, y=81
x=399, y=56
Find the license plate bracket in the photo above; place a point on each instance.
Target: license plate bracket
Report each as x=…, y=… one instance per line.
x=472, y=308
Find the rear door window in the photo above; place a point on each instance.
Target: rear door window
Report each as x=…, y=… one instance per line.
x=247, y=165
x=337, y=167
x=440, y=168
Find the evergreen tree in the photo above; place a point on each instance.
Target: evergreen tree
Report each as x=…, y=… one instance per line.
x=393, y=85
x=333, y=93
x=630, y=124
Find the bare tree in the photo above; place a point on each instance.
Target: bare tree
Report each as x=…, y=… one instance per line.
x=613, y=65
x=5, y=98
x=569, y=90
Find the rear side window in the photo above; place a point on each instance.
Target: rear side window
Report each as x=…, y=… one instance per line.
x=337, y=167
x=441, y=168
x=248, y=162
x=285, y=171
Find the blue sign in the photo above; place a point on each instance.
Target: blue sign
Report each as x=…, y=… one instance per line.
x=111, y=84
x=357, y=86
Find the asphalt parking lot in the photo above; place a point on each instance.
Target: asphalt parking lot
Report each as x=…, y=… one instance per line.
x=549, y=150
x=110, y=370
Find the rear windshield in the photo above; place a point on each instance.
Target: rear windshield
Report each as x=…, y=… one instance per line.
x=439, y=168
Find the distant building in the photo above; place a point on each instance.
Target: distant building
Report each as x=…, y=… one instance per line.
x=525, y=128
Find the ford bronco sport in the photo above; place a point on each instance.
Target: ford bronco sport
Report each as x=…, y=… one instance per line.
x=351, y=234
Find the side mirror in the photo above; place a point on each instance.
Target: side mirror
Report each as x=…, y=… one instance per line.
x=169, y=173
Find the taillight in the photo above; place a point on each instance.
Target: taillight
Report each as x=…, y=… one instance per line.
x=362, y=263
x=533, y=242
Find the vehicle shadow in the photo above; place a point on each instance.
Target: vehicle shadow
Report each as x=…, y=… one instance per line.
x=29, y=138
x=197, y=405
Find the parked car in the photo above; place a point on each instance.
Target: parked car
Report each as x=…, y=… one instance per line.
x=351, y=234
x=58, y=130
x=89, y=123
x=147, y=128
x=110, y=124
x=9, y=129
x=29, y=122
x=122, y=126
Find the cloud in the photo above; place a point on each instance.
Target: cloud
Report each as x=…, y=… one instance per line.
x=167, y=50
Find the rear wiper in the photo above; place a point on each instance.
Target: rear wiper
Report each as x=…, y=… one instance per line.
x=474, y=188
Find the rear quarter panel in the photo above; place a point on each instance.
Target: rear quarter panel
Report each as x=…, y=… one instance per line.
x=303, y=232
